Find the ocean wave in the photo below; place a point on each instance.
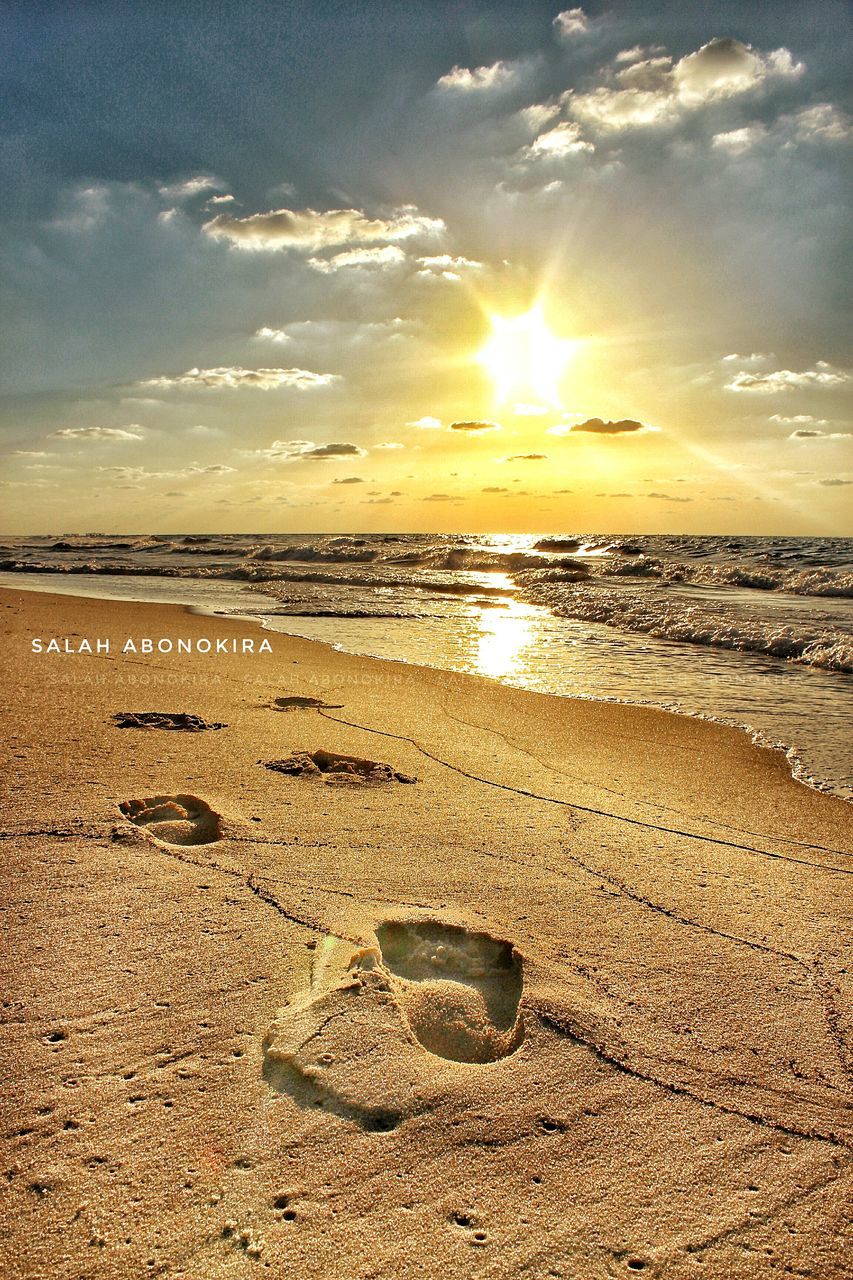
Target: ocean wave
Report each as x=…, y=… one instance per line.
x=652, y=613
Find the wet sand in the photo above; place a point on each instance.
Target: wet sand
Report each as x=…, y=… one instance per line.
x=574, y=1003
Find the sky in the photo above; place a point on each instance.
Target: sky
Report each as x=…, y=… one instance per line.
x=464, y=266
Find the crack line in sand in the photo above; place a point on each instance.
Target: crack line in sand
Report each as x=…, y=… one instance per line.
x=812, y=968
x=562, y=1026
x=754, y=1219
x=599, y=786
x=603, y=813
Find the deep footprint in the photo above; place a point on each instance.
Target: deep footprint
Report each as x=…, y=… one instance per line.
x=336, y=770
x=459, y=990
x=177, y=820
x=164, y=720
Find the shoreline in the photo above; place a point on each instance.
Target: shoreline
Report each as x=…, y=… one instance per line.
x=801, y=771
x=575, y=998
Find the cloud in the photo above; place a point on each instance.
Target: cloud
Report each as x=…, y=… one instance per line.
x=438, y=497
x=388, y=255
x=563, y=140
x=657, y=91
x=570, y=23
x=311, y=229
x=305, y=451
x=835, y=482
x=667, y=497
x=31, y=453
x=798, y=420
x=445, y=266
x=191, y=187
x=526, y=457
x=348, y=480
x=598, y=427
x=823, y=375
x=474, y=426
x=426, y=424
x=272, y=335
x=811, y=433
x=822, y=122
x=390, y=444
x=468, y=80
x=98, y=433
x=236, y=378
x=495, y=488
x=738, y=141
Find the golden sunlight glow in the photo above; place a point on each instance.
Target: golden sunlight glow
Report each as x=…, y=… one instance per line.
x=504, y=636
x=525, y=359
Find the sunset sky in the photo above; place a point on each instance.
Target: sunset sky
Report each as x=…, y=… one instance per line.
x=450, y=266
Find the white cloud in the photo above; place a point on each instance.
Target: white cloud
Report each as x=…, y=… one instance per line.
x=756, y=357
x=563, y=140
x=311, y=229
x=132, y=432
x=571, y=22
x=738, y=141
x=447, y=262
x=235, y=378
x=658, y=91
x=468, y=80
x=272, y=335
x=305, y=451
x=390, y=444
x=189, y=188
x=426, y=424
x=821, y=123
x=798, y=420
x=387, y=256
x=786, y=380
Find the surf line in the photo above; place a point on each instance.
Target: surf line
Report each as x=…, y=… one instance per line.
x=604, y=813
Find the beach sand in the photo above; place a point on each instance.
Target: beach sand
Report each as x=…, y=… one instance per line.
x=574, y=1003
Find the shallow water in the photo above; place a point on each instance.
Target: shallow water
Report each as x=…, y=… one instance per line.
x=756, y=632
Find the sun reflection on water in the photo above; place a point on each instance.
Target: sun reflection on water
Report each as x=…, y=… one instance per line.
x=504, y=640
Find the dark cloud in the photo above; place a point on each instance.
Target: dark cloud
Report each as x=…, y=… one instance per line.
x=598, y=427
x=527, y=457
x=835, y=482
x=495, y=488
x=474, y=426
x=348, y=480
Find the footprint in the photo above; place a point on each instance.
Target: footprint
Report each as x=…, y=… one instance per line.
x=164, y=720
x=177, y=820
x=459, y=990
x=297, y=703
x=337, y=770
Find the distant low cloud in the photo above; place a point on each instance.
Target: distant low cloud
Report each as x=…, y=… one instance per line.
x=476, y=79
x=311, y=229
x=495, y=488
x=823, y=375
x=133, y=432
x=571, y=23
x=305, y=451
x=177, y=191
x=811, y=433
x=835, y=482
x=438, y=497
x=526, y=457
x=235, y=378
x=390, y=444
x=668, y=497
x=474, y=426
x=657, y=90
x=388, y=255
x=598, y=426
x=426, y=424
x=348, y=480
x=272, y=335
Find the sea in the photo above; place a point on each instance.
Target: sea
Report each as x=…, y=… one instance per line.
x=751, y=631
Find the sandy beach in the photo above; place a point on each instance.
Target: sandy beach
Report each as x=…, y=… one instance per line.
x=563, y=991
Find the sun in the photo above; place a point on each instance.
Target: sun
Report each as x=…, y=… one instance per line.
x=524, y=359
